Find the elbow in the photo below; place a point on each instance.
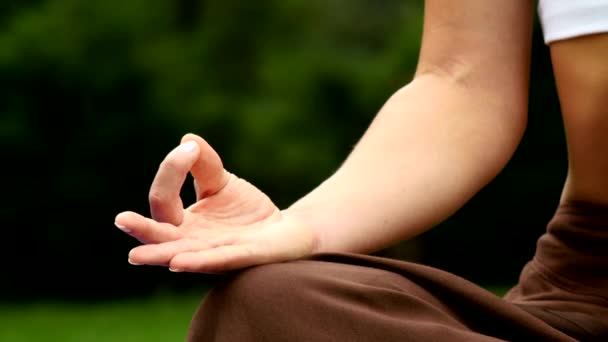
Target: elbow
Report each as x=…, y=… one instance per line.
x=510, y=120
x=505, y=126
x=497, y=93
x=498, y=116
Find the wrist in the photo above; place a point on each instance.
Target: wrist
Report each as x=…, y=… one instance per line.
x=302, y=218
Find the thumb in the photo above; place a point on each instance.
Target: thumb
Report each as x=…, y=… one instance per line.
x=208, y=171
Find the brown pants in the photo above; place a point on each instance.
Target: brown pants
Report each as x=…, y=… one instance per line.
x=562, y=295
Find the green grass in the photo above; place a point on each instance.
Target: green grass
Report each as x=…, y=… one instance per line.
x=499, y=290
x=163, y=318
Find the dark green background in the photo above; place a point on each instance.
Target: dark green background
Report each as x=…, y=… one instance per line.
x=95, y=93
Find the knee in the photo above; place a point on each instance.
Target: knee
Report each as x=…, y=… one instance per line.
x=249, y=303
x=261, y=285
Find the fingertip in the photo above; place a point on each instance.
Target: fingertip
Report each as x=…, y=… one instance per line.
x=133, y=258
x=122, y=221
x=133, y=262
x=126, y=218
x=120, y=217
x=203, y=145
x=208, y=168
x=132, y=254
x=176, y=264
x=198, y=262
x=190, y=136
x=183, y=262
x=123, y=228
x=188, y=147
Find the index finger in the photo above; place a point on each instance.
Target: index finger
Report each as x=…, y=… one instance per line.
x=208, y=171
x=165, y=202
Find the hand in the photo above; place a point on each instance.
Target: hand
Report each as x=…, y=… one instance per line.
x=232, y=225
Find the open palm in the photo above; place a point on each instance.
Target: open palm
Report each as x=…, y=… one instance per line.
x=232, y=224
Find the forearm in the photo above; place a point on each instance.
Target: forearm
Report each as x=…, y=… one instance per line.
x=429, y=150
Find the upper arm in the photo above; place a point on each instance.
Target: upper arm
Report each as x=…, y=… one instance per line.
x=581, y=72
x=479, y=43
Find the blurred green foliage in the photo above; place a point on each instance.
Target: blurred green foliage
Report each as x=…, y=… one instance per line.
x=159, y=319
x=95, y=93
x=291, y=81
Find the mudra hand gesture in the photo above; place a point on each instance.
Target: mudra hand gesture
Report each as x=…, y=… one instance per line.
x=232, y=225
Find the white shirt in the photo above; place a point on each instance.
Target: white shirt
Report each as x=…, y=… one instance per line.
x=563, y=19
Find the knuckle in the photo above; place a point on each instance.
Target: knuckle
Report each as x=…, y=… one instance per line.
x=157, y=197
x=156, y=194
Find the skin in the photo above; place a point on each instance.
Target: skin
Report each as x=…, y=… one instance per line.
x=434, y=144
x=581, y=71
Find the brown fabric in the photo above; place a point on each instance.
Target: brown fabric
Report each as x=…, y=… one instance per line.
x=345, y=297
x=566, y=283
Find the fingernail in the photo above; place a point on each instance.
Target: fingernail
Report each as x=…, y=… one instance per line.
x=187, y=146
x=174, y=269
x=133, y=263
x=121, y=227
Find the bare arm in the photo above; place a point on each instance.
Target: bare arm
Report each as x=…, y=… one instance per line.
x=438, y=140
x=581, y=73
x=434, y=144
